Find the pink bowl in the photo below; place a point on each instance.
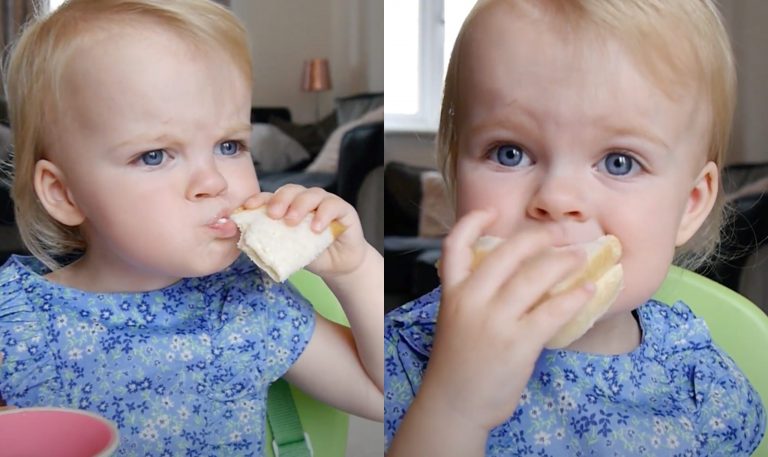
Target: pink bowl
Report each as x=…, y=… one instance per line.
x=42, y=432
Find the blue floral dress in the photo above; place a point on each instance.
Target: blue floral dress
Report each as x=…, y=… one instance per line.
x=677, y=394
x=183, y=371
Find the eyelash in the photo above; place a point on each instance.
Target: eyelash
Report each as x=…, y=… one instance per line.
x=636, y=166
x=240, y=145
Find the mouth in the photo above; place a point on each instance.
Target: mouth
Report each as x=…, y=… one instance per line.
x=223, y=226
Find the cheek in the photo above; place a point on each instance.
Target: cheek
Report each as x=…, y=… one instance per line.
x=647, y=231
x=241, y=177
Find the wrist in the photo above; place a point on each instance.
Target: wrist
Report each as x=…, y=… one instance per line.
x=361, y=270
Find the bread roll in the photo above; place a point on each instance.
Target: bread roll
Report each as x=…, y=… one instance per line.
x=602, y=269
x=277, y=248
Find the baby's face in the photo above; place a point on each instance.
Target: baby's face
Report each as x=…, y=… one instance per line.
x=578, y=136
x=153, y=147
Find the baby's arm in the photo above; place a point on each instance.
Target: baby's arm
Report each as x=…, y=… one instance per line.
x=487, y=338
x=341, y=366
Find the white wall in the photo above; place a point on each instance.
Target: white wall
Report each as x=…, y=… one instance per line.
x=283, y=33
x=746, y=21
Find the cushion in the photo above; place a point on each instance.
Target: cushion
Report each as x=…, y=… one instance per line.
x=272, y=150
x=311, y=136
x=402, y=198
x=351, y=108
x=436, y=214
x=328, y=159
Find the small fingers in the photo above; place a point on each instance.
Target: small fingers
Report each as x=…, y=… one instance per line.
x=456, y=262
x=303, y=203
x=333, y=208
x=257, y=200
x=536, y=274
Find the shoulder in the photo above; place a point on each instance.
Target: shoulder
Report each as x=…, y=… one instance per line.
x=414, y=321
x=731, y=416
x=28, y=363
x=672, y=328
x=408, y=335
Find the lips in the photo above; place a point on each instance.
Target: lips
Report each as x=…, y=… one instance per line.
x=223, y=226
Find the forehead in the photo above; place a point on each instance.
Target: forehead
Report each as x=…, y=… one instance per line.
x=514, y=59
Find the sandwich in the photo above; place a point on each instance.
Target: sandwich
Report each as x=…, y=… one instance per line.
x=602, y=269
x=277, y=248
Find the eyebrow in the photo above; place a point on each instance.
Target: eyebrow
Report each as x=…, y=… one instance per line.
x=500, y=119
x=239, y=129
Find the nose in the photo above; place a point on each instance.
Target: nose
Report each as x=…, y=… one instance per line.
x=559, y=197
x=206, y=180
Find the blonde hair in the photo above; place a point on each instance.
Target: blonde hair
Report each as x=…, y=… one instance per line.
x=34, y=70
x=676, y=41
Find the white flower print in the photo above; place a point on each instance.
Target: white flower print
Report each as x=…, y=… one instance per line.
x=186, y=355
x=166, y=402
x=535, y=412
x=235, y=338
x=163, y=421
x=75, y=354
x=716, y=423
x=149, y=434
x=560, y=433
x=61, y=321
x=525, y=397
x=672, y=442
x=542, y=438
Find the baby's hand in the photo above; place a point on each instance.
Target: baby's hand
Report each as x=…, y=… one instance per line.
x=492, y=323
x=292, y=203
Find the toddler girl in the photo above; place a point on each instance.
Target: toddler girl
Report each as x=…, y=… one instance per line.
x=131, y=121
x=565, y=120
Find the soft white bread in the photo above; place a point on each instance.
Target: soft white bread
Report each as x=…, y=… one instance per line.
x=277, y=248
x=602, y=269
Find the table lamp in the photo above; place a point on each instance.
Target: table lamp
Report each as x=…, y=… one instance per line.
x=317, y=78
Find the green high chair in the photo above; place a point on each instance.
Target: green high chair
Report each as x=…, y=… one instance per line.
x=324, y=428
x=737, y=325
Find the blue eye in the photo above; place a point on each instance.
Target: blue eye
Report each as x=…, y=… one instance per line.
x=153, y=158
x=619, y=164
x=230, y=148
x=510, y=155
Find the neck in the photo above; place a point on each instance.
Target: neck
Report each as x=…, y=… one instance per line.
x=612, y=335
x=89, y=275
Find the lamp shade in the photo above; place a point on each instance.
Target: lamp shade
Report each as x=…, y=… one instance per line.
x=317, y=76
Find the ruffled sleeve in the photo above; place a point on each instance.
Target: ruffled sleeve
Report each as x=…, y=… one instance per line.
x=28, y=364
x=731, y=414
x=408, y=335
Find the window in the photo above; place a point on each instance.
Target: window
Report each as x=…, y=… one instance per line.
x=418, y=38
x=53, y=4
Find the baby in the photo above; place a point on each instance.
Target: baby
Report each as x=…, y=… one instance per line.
x=131, y=121
x=565, y=120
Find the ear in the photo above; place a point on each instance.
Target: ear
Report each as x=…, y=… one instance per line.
x=54, y=195
x=701, y=199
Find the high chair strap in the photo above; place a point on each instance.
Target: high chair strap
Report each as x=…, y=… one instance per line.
x=288, y=437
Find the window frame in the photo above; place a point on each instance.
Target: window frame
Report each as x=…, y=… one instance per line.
x=430, y=71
